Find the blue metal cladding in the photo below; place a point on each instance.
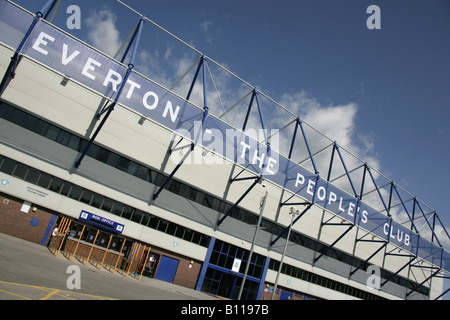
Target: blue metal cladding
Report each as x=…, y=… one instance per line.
x=76, y=60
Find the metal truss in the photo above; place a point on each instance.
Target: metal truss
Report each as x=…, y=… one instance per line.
x=397, y=198
x=107, y=109
x=201, y=66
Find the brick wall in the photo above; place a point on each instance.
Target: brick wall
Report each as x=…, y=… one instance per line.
x=30, y=226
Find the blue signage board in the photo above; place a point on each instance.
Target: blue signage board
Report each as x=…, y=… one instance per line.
x=102, y=222
x=76, y=60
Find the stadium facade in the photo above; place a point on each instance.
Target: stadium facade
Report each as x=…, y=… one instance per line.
x=118, y=161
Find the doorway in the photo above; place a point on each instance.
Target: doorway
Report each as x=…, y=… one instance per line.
x=167, y=269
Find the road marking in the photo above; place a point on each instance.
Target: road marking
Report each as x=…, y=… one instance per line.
x=50, y=294
x=15, y=294
x=52, y=291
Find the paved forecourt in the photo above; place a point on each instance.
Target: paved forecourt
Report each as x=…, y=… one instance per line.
x=29, y=271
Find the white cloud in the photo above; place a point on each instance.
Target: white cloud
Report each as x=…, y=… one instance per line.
x=205, y=25
x=103, y=33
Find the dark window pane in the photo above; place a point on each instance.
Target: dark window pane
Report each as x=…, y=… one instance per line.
x=92, y=151
x=162, y=226
x=103, y=155
x=74, y=142
x=8, y=166
x=127, y=212
x=29, y=122
x=188, y=235
x=137, y=216
x=20, y=171
x=97, y=200
x=75, y=192
x=171, y=228
x=18, y=117
x=145, y=219
x=33, y=175
x=107, y=204
x=63, y=137
x=41, y=127
x=180, y=232
x=117, y=208
x=153, y=222
x=6, y=111
x=191, y=194
x=56, y=184
x=66, y=188
x=52, y=132
x=113, y=159
x=86, y=196
x=44, y=180
x=143, y=173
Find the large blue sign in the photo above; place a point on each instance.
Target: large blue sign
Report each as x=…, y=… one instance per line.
x=102, y=222
x=88, y=66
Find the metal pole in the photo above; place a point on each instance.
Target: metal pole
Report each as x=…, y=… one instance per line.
x=253, y=245
x=292, y=212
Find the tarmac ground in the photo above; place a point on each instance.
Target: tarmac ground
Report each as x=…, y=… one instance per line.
x=29, y=271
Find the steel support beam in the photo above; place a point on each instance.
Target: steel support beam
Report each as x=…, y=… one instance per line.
x=412, y=258
x=420, y=284
x=293, y=222
x=109, y=108
x=368, y=259
x=257, y=179
x=17, y=57
x=201, y=65
x=178, y=166
x=335, y=242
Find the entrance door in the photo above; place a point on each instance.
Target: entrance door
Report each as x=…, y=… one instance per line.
x=286, y=295
x=227, y=285
x=167, y=269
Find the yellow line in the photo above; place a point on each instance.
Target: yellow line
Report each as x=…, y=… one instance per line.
x=15, y=295
x=53, y=291
x=50, y=294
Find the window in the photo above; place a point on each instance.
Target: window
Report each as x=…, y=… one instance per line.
x=33, y=175
x=8, y=166
x=74, y=142
x=143, y=173
x=127, y=212
x=145, y=219
x=137, y=216
x=20, y=171
x=86, y=196
x=113, y=159
x=102, y=155
x=29, y=122
x=56, y=184
x=162, y=226
x=63, y=137
x=52, y=132
x=18, y=116
x=41, y=127
x=107, y=204
x=44, y=180
x=75, y=192
x=117, y=208
x=97, y=200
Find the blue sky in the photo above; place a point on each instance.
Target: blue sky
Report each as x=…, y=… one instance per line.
x=390, y=87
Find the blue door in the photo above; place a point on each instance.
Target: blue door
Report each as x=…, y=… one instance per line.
x=286, y=295
x=167, y=269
